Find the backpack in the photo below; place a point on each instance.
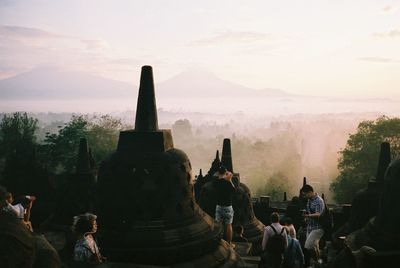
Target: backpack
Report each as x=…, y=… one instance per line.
x=289, y=258
x=326, y=221
x=277, y=242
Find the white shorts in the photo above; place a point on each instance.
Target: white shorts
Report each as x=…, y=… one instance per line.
x=312, y=241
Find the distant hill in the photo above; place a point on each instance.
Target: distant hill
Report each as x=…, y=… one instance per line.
x=46, y=83
x=199, y=84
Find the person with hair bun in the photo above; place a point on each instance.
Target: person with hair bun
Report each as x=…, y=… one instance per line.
x=86, y=249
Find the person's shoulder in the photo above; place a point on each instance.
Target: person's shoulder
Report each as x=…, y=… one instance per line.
x=319, y=198
x=17, y=206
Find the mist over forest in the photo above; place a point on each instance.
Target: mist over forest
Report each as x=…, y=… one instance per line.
x=271, y=153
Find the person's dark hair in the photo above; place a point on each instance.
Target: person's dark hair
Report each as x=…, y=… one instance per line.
x=239, y=229
x=274, y=217
x=83, y=223
x=8, y=195
x=288, y=220
x=24, y=201
x=306, y=189
x=221, y=170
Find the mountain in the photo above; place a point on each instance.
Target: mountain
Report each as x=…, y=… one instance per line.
x=196, y=83
x=48, y=83
x=54, y=83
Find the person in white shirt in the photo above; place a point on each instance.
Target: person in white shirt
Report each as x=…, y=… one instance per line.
x=21, y=210
x=274, y=243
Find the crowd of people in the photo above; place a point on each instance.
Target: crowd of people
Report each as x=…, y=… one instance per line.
x=280, y=244
x=284, y=247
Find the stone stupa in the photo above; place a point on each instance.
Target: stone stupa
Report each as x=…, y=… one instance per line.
x=146, y=209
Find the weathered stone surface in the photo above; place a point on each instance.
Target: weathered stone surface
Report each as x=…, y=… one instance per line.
x=78, y=195
x=146, y=209
x=381, y=233
x=19, y=247
x=366, y=203
x=242, y=203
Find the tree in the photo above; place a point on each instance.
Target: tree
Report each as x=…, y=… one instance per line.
x=182, y=129
x=17, y=131
x=17, y=137
x=103, y=135
x=60, y=150
x=359, y=159
x=275, y=186
x=21, y=172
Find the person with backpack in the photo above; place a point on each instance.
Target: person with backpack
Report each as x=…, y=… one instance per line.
x=314, y=210
x=293, y=256
x=274, y=243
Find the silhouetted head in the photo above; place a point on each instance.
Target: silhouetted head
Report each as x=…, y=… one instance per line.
x=85, y=224
x=307, y=191
x=221, y=171
x=274, y=217
x=288, y=221
x=295, y=200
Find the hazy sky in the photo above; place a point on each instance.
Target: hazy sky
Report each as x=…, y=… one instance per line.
x=315, y=47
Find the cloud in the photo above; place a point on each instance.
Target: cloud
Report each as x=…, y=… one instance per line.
x=378, y=60
x=24, y=48
x=93, y=44
x=22, y=33
x=229, y=37
x=35, y=36
x=389, y=34
x=8, y=3
x=7, y=74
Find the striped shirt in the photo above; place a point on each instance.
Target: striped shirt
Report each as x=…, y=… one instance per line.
x=314, y=205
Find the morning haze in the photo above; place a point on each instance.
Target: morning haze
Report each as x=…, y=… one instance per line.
x=287, y=81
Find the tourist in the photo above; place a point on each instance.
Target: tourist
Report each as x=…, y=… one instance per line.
x=274, y=243
x=315, y=207
x=293, y=256
x=289, y=227
x=224, y=192
x=86, y=249
x=22, y=209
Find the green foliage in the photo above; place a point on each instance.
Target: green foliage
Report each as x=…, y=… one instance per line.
x=60, y=150
x=259, y=162
x=276, y=185
x=103, y=136
x=359, y=159
x=18, y=165
x=17, y=133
